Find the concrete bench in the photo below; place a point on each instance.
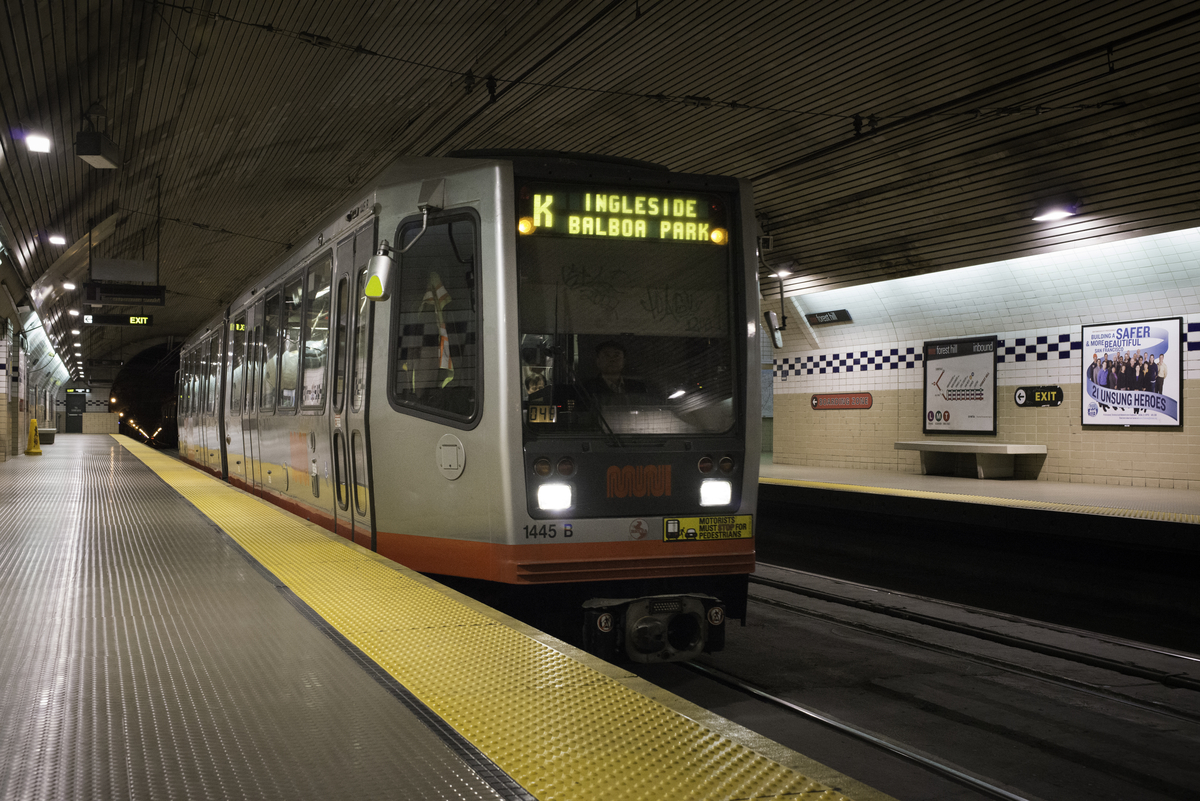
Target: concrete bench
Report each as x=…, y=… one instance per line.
x=969, y=459
x=46, y=435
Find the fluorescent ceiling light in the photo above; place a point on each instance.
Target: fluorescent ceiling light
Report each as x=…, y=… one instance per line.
x=55, y=239
x=38, y=143
x=67, y=285
x=1054, y=214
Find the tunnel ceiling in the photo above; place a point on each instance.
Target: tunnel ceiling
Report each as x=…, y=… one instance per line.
x=883, y=139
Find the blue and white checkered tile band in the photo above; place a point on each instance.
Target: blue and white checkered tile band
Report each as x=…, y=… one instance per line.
x=848, y=362
x=1028, y=349
x=1019, y=349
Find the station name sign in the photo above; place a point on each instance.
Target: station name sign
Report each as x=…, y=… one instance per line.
x=824, y=318
x=559, y=210
x=118, y=319
x=842, y=401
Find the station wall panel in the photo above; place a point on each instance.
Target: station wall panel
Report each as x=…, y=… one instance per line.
x=1035, y=307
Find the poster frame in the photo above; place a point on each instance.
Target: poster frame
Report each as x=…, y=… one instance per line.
x=1082, y=376
x=925, y=347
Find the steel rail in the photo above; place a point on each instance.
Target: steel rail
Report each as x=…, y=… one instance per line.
x=1173, y=680
x=955, y=774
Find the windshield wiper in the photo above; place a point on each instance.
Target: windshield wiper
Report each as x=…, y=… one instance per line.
x=594, y=403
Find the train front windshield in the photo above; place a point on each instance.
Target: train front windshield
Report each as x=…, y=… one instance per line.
x=626, y=308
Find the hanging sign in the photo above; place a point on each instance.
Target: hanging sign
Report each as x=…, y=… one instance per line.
x=118, y=319
x=824, y=318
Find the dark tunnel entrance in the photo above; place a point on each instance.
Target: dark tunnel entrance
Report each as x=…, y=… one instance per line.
x=145, y=396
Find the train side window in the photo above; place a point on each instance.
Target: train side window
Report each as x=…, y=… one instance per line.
x=192, y=382
x=362, y=497
x=253, y=365
x=289, y=371
x=202, y=377
x=362, y=328
x=237, y=363
x=187, y=384
x=214, y=375
x=435, y=362
x=339, y=344
x=316, y=333
x=270, y=380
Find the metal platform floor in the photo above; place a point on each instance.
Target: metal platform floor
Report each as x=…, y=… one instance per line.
x=1109, y=500
x=167, y=636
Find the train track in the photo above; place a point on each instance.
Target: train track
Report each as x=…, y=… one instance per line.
x=1177, y=680
x=954, y=773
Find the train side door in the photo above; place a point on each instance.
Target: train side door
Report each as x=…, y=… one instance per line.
x=233, y=419
x=250, y=419
x=339, y=328
x=212, y=432
x=354, y=420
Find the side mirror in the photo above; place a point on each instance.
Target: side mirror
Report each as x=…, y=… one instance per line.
x=773, y=326
x=379, y=270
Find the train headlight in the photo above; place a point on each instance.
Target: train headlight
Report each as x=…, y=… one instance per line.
x=715, y=492
x=525, y=225
x=719, y=236
x=554, y=496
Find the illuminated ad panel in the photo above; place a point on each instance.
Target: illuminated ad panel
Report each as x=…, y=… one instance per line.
x=625, y=213
x=1132, y=373
x=960, y=386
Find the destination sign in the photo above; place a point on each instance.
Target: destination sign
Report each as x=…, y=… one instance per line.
x=664, y=216
x=118, y=319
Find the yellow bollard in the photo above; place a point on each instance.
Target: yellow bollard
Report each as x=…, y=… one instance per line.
x=35, y=445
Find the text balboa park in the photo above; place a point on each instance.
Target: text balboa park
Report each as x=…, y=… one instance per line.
x=677, y=217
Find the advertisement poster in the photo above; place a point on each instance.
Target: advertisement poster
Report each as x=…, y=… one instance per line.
x=1132, y=373
x=960, y=386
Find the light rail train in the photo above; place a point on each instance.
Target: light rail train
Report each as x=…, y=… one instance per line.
x=536, y=371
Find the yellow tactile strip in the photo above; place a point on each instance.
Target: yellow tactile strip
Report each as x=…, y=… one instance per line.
x=555, y=725
x=987, y=500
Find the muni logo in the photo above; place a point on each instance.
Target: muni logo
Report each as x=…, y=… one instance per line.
x=639, y=481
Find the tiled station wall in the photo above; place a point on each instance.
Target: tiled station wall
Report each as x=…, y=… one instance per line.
x=1035, y=306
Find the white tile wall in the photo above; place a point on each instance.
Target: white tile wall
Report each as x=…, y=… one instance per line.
x=1035, y=306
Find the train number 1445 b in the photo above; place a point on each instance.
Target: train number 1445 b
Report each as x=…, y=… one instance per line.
x=550, y=531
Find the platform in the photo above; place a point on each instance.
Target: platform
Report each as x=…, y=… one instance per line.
x=1150, y=503
x=167, y=635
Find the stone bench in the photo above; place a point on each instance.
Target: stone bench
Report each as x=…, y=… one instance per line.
x=969, y=459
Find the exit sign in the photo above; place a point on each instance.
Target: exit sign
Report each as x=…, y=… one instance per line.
x=118, y=319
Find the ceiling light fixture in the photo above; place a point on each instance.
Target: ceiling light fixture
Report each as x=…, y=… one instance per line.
x=74, y=312
x=55, y=239
x=67, y=285
x=1056, y=208
x=37, y=143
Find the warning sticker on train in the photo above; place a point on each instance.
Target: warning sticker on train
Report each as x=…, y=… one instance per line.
x=728, y=527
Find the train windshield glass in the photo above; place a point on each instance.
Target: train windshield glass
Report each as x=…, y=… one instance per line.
x=625, y=337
